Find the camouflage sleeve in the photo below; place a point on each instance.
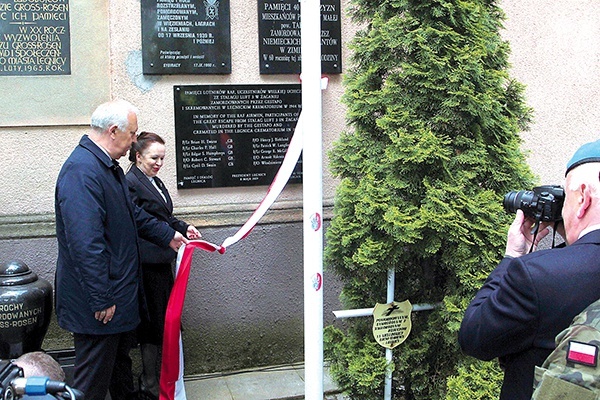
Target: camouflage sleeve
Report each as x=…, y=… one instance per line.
x=571, y=371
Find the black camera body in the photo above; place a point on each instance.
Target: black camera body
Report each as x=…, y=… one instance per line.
x=543, y=203
x=8, y=372
x=12, y=389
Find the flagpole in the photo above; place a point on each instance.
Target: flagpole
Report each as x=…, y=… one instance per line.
x=312, y=176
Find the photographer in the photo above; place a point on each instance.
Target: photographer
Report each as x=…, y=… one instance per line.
x=530, y=297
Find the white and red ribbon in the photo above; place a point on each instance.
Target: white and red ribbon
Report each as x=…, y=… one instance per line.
x=171, y=374
x=283, y=176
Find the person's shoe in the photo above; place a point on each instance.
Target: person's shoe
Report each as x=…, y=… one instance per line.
x=147, y=392
x=141, y=395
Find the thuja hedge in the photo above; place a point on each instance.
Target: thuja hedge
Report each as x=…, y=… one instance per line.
x=432, y=147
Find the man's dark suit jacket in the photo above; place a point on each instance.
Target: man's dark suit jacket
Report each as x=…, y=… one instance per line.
x=145, y=195
x=97, y=226
x=525, y=303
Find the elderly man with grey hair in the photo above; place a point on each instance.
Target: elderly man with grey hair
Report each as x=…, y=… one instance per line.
x=530, y=297
x=98, y=279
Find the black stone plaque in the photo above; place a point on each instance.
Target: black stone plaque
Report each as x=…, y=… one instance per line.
x=234, y=135
x=186, y=37
x=279, y=36
x=35, y=37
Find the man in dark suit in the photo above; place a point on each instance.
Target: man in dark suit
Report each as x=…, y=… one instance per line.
x=530, y=297
x=98, y=271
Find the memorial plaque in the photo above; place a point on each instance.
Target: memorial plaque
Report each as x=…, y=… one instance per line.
x=186, y=37
x=279, y=36
x=35, y=37
x=392, y=323
x=234, y=135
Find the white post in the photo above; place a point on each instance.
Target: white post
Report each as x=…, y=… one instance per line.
x=312, y=176
x=367, y=312
x=391, y=284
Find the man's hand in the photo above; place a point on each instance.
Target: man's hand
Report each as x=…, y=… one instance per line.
x=105, y=316
x=520, y=237
x=178, y=241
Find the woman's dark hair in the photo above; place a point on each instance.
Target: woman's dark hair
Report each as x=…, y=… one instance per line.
x=144, y=140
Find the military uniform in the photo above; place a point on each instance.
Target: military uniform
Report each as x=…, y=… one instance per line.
x=571, y=371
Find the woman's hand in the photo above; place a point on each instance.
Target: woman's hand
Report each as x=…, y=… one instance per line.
x=193, y=233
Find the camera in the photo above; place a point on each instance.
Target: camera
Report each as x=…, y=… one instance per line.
x=8, y=372
x=544, y=203
x=14, y=386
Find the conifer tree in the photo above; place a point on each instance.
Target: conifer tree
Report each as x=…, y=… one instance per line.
x=433, y=147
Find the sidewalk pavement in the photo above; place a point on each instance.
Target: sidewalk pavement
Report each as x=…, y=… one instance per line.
x=267, y=383
x=282, y=382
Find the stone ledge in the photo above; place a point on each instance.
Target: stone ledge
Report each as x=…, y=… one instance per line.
x=209, y=216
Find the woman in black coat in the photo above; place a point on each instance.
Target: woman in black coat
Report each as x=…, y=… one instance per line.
x=147, y=191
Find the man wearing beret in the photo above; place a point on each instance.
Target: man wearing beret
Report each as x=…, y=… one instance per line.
x=530, y=297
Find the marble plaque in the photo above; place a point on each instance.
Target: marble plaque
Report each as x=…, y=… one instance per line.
x=234, y=135
x=279, y=37
x=186, y=37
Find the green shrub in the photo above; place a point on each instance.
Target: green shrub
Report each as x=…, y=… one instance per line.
x=433, y=148
x=477, y=380
x=360, y=364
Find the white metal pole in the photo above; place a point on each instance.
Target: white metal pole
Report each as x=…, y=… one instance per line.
x=367, y=312
x=391, y=284
x=312, y=175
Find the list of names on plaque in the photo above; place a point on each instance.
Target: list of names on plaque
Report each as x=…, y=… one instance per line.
x=279, y=36
x=34, y=37
x=186, y=37
x=234, y=135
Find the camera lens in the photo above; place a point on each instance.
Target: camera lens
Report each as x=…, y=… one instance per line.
x=522, y=199
x=511, y=204
x=544, y=203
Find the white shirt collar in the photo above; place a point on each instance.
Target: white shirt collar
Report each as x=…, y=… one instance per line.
x=588, y=230
x=103, y=150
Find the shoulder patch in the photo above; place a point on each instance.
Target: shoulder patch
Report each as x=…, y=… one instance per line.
x=582, y=353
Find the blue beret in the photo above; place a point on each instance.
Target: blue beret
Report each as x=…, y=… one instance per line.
x=589, y=152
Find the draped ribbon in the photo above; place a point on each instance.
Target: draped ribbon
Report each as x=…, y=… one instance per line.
x=283, y=175
x=171, y=375
x=171, y=371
